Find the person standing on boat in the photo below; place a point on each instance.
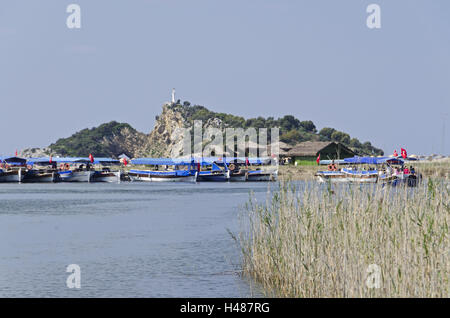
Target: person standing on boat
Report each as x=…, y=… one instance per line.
x=388, y=170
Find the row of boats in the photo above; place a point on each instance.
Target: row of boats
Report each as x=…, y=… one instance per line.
x=15, y=169
x=386, y=170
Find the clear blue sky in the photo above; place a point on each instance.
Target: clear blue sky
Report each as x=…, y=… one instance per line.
x=313, y=59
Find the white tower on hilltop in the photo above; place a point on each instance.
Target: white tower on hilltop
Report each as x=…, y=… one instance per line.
x=173, y=95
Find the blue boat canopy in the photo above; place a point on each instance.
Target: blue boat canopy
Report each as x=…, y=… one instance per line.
x=210, y=160
x=162, y=161
x=102, y=160
x=14, y=161
x=72, y=160
x=373, y=160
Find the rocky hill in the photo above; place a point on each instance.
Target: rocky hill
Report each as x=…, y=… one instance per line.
x=166, y=140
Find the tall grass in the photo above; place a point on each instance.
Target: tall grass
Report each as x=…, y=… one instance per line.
x=315, y=241
x=434, y=169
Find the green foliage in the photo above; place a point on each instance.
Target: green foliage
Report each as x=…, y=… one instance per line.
x=331, y=134
x=88, y=141
x=291, y=137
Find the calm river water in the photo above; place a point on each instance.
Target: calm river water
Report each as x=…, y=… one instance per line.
x=129, y=239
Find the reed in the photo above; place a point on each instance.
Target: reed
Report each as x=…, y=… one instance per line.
x=434, y=169
x=312, y=240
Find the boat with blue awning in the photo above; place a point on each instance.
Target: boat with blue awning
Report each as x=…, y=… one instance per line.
x=261, y=169
x=211, y=171
x=238, y=169
x=367, y=170
x=76, y=169
x=109, y=170
x=164, y=170
x=12, y=169
x=41, y=170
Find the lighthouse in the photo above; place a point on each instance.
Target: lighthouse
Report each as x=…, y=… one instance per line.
x=173, y=95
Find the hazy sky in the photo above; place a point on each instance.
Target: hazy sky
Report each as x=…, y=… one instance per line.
x=313, y=59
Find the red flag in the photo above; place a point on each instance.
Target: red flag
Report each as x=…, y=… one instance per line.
x=198, y=166
x=50, y=159
x=16, y=152
x=247, y=162
x=91, y=158
x=125, y=162
x=395, y=153
x=318, y=159
x=403, y=152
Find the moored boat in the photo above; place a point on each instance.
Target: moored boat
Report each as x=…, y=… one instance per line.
x=76, y=175
x=41, y=170
x=262, y=175
x=367, y=170
x=331, y=176
x=74, y=169
x=261, y=169
x=164, y=170
x=212, y=172
x=106, y=174
x=41, y=176
x=12, y=169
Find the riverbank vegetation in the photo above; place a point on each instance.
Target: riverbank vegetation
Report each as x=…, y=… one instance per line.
x=349, y=241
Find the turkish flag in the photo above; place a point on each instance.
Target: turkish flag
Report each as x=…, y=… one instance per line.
x=91, y=158
x=403, y=152
x=395, y=153
x=318, y=159
x=125, y=162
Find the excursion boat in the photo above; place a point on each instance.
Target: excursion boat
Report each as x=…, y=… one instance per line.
x=214, y=173
x=394, y=174
x=238, y=175
x=238, y=170
x=331, y=176
x=212, y=169
x=41, y=170
x=33, y=176
x=105, y=174
x=262, y=175
x=164, y=170
x=352, y=171
x=261, y=169
x=12, y=169
x=74, y=169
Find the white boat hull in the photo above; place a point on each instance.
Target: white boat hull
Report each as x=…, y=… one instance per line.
x=111, y=177
x=155, y=178
x=44, y=178
x=336, y=179
x=263, y=176
x=238, y=178
x=76, y=176
x=12, y=176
